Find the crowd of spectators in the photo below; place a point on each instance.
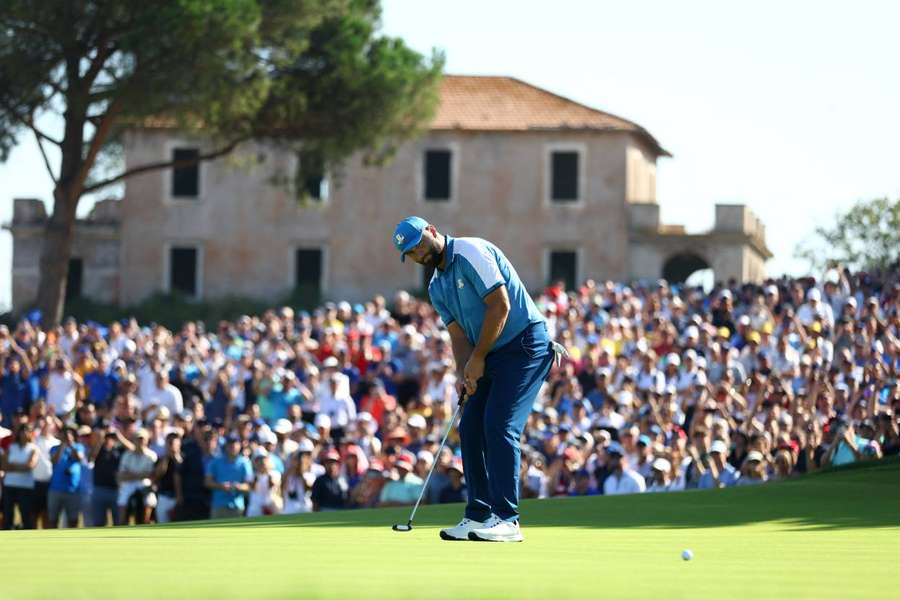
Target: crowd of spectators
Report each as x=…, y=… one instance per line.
x=665, y=388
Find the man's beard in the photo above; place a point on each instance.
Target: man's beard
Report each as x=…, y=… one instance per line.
x=432, y=259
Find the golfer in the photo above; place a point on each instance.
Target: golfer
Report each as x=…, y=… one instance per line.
x=500, y=341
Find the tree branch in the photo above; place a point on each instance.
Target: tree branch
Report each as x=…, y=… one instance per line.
x=40, y=135
x=102, y=131
x=37, y=136
x=28, y=120
x=227, y=149
x=103, y=52
x=57, y=89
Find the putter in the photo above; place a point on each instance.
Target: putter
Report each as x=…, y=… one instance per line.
x=408, y=526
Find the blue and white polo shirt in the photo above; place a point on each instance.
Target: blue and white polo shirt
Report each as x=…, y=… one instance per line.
x=475, y=268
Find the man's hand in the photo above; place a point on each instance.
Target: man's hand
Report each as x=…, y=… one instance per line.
x=473, y=371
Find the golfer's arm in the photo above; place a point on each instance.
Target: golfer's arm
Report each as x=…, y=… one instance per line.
x=494, y=319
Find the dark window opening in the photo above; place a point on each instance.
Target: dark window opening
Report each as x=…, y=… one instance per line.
x=564, y=267
x=74, y=278
x=308, y=269
x=313, y=187
x=186, y=180
x=437, y=174
x=564, y=187
x=183, y=270
x=314, y=176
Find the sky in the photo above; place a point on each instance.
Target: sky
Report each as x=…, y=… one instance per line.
x=792, y=108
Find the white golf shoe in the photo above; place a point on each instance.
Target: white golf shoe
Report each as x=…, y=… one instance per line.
x=497, y=530
x=461, y=531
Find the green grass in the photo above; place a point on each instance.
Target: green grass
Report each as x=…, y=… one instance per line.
x=830, y=535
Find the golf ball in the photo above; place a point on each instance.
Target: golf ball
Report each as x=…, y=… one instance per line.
x=687, y=555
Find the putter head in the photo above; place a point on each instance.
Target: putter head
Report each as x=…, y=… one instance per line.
x=399, y=527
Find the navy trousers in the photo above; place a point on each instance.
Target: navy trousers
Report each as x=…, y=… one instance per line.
x=493, y=420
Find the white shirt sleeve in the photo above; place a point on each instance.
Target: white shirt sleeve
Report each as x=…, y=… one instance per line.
x=485, y=272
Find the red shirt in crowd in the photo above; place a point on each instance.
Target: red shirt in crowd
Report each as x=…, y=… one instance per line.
x=377, y=405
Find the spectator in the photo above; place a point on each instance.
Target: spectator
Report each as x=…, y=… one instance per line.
x=63, y=386
x=334, y=400
x=666, y=370
x=405, y=488
x=377, y=402
x=100, y=384
x=164, y=395
x=18, y=485
x=190, y=488
x=329, y=491
x=229, y=476
x=661, y=477
x=166, y=475
x=265, y=493
x=63, y=494
x=719, y=472
x=299, y=479
x=622, y=479
x=455, y=490
x=754, y=470
x=106, y=455
x=135, y=470
x=583, y=485
x=15, y=372
x=368, y=491
x=45, y=441
x=86, y=437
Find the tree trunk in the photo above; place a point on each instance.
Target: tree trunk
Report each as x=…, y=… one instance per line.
x=57, y=247
x=55, y=254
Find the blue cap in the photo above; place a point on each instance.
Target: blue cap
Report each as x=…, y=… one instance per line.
x=407, y=234
x=615, y=448
x=645, y=440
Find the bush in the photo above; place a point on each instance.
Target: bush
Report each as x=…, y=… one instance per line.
x=172, y=310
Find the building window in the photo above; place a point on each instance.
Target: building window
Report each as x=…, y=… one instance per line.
x=183, y=270
x=185, y=180
x=308, y=268
x=438, y=173
x=564, y=176
x=74, y=279
x=564, y=267
x=314, y=183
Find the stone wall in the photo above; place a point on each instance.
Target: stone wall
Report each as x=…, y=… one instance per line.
x=734, y=249
x=249, y=229
x=97, y=244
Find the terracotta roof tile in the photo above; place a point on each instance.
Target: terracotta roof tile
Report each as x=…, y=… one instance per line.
x=485, y=103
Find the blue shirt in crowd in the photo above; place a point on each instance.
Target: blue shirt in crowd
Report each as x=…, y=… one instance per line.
x=223, y=469
x=728, y=476
x=15, y=394
x=66, y=475
x=475, y=268
x=101, y=387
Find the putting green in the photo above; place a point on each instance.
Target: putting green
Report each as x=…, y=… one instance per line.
x=829, y=535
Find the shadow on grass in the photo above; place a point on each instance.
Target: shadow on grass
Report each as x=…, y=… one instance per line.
x=860, y=496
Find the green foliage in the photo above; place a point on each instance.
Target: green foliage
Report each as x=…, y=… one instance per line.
x=311, y=75
x=865, y=237
x=173, y=310
x=304, y=72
